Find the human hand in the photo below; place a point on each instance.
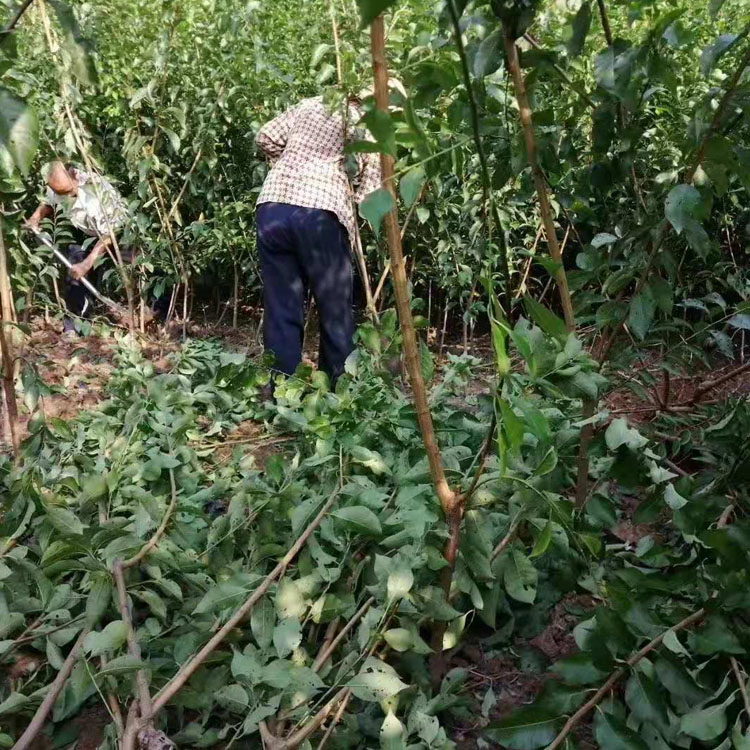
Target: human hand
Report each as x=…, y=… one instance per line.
x=79, y=270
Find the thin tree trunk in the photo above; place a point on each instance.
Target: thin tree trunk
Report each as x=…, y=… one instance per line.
x=445, y=326
x=450, y=502
x=541, y=186
x=236, y=298
x=9, y=391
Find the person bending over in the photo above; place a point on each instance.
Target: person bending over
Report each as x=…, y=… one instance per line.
x=306, y=225
x=95, y=209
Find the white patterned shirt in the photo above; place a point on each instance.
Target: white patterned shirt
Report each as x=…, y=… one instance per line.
x=306, y=145
x=97, y=209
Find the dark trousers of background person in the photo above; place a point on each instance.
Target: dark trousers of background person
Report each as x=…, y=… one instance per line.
x=303, y=248
x=80, y=302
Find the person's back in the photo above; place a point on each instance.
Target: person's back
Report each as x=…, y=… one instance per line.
x=306, y=224
x=306, y=144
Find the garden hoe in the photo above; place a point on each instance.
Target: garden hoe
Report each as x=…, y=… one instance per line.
x=118, y=310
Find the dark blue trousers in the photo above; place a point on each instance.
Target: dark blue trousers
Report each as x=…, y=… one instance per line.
x=303, y=248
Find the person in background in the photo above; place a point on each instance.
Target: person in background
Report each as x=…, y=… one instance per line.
x=306, y=226
x=95, y=209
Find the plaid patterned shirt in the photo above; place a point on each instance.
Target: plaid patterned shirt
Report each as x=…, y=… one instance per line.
x=306, y=147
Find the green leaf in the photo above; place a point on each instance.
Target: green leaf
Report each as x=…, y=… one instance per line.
x=371, y=459
x=94, y=487
x=375, y=207
x=646, y=702
x=715, y=637
x=546, y=319
x=603, y=238
x=369, y=10
x=641, y=313
x=581, y=26
x=123, y=664
x=612, y=733
x=359, y=519
x=681, y=206
x=245, y=666
x=410, y=185
x=262, y=622
x=716, y=50
x=542, y=541
x=706, y=723
x=234, y=698
x=613, y=68
x=400, y=581
x=673, y=498
x=520, y=577
x=677, y=680
x=13, y=703
x=98, y=598
x=741, y=320
x=392, y=733
x=76, y=46
x=399, y=639
x=489, y=56
x=110, y=639
x=376, y=681
x=527, y=728
x=499, y=341
x=715, y=6
x=381, y=127
x=511, y=425
x=19, y=131
x=426, y=362
x=65, y=521
x=287, y=636
x=154, y=601
x=619, y=433
x=578, y=670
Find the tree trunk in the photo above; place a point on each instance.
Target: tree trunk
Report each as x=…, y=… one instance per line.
x=539, y=180
x=6, y=352
x=236, y=297
x=449, y=501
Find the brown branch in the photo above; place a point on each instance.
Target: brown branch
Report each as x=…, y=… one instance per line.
x=522, y=284
x=407, y=220
x=304, y=732
x=188, y=669
x=16, y=17
x=6, y=353
x=716, y=382
x=601, y=693
x=448, y=498
x=507, y=539
x=37, y=723
x=336, y=719
x=545, y=209
x=134, y=648
x=741, y=683
x=159, y=533
x=579, y=90
x=326, y=651
x=485, y=452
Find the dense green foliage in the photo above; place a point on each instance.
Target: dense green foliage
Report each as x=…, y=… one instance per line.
x=645, y=146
